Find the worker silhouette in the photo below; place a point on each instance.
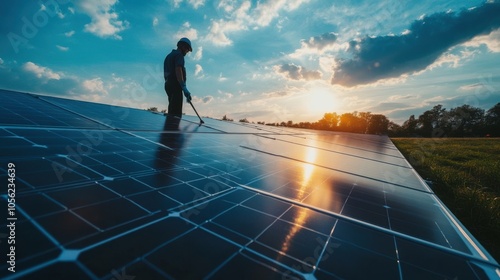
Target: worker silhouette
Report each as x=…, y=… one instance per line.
x=175, y=77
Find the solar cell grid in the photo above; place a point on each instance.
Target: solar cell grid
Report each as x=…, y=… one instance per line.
x=105, y=192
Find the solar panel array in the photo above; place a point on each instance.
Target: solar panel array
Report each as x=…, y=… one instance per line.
x=107, y=192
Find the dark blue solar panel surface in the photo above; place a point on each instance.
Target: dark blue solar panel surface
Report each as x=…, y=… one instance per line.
x=106, y=192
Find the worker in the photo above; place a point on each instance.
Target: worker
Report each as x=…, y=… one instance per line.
x=175, y=77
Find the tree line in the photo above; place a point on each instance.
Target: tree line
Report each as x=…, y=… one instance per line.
x=463, y=121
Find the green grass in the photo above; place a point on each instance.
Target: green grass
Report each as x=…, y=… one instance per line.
x=466, y=176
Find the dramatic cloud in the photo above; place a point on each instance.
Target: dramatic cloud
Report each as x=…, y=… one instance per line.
x=491, y=41
x=219, y=28
x=377, y=58
x=104, y=21
x=319, y=46
x=246, y=17
x=320, y=42
x=295, y=72
x=40, y=71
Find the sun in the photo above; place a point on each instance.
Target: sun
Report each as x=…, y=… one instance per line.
x=322, y=100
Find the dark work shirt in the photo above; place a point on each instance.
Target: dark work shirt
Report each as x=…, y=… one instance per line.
x=173, y=59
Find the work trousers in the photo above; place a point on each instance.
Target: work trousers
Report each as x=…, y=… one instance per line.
x=175, y=97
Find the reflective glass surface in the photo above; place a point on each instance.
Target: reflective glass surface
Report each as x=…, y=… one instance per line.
x=106, y=192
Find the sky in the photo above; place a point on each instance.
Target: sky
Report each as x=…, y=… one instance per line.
x=270, y=61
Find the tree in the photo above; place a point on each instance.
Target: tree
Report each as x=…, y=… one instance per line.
x=377, y=124
x=363, y=123
x=329, y=121
x=395, y=130
x=430, y=123
x=409, y=126
x=466, y=121
x=225, y=118
x=492, y=121
x=307, y=125
x=351, y=122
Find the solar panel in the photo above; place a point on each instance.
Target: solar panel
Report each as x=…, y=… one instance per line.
x=107, y=192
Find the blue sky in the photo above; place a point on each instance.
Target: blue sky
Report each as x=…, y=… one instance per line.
x=269, y=61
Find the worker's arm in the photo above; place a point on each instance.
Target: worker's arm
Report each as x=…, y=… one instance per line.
x=180, y=77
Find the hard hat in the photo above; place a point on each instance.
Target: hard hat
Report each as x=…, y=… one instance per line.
x=187, y=41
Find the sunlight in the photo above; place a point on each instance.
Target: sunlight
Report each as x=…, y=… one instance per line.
x=322, y=100
x=310, y=157
x=302, y=215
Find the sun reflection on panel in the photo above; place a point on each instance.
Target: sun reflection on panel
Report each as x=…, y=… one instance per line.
x=310, y=157
x=302, y=214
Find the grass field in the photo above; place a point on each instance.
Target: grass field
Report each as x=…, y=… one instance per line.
x=466, y=177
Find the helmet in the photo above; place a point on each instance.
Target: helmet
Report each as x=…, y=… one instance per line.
x=187, y=41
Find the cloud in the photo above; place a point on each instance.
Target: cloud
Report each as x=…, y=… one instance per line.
x=322, y=41
x=69, y=33
x=245, y=17
x=155, y=21
x=386, y=107
x=198, y=71
x=207, y=99
x=280, y=93
x=104, y=20
x=31, y=77
x=402, y=97
x=428, y=38
x=196, y=3
x=48, y=10
x=177, y=3
x=1, y=61
x=265, y=12
x=116, y=78
x=40, y=71
x=94, y=85
x=295, y=72
x=61, y=48
x=287, y=91
x=188, y=32
x=225, y=95
x=319, y=46
x=219, y=28
x=491, y=41
x=198, y=55
x=221, y=78
x=471, y=87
